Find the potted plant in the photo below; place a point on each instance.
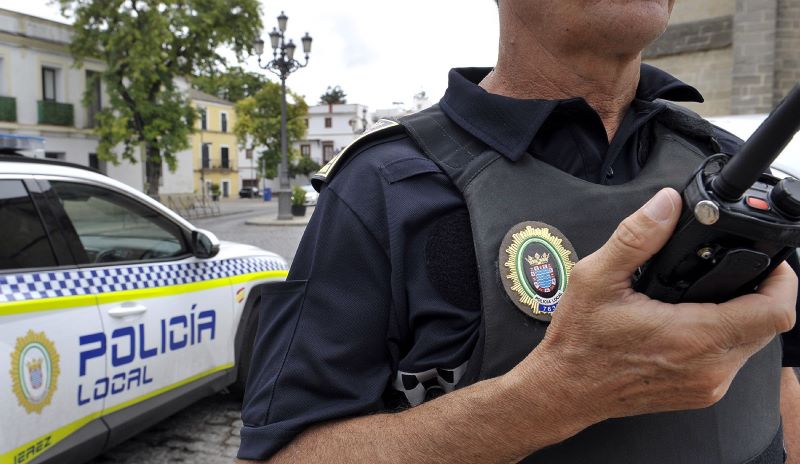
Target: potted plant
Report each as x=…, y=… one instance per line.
x=298, y=201
x=215, y=191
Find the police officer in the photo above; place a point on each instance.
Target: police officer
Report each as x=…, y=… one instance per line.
x=462, y=293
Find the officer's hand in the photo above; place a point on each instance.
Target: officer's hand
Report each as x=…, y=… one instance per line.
x=619, y=353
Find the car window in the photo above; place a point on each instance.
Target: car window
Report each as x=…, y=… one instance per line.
x=24, y=241
x=113, y=227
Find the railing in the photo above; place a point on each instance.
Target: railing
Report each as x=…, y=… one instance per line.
x=8, y=109
x=56, y=114
x=193, y=207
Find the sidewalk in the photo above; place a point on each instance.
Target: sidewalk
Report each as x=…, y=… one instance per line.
x=272, y=219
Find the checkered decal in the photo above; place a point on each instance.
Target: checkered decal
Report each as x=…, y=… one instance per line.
x=53, y=284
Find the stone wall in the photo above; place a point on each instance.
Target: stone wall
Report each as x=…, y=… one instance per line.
x=787, y=63
x=709, y=71
x=686, y=11
x=741, y=54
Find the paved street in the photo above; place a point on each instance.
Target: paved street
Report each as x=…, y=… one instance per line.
x=208, y=431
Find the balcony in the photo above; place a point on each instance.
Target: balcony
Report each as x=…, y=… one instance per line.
x=56, y=114
x=8, y=109
x=219, y=167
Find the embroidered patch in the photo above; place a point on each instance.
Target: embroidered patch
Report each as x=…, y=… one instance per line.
x=535, y=263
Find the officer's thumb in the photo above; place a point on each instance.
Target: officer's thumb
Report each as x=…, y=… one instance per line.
x=637, y=238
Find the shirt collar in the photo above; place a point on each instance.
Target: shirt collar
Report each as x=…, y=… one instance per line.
x=509, y=125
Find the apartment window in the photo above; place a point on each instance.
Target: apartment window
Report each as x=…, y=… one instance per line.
x=96, y=163
x=305, y=150
x=95, y=97
x=328, y=123
x=49, y=76
x=2, y=74
x=206, y=156
x=327, y=151
x=305, y=119
x=223, y=122
x=223, y=153
x=203, y=119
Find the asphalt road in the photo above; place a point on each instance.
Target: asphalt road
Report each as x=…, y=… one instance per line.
x=208, y=431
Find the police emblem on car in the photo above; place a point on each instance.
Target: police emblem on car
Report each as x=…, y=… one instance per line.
x=34, y=371
x=535, y=263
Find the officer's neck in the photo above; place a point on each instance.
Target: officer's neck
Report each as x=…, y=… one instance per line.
x=529, y=71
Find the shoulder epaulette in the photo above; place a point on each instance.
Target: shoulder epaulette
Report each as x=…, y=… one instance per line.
x=381, y=128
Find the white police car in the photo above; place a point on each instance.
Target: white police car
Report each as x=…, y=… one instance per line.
x=114, y=311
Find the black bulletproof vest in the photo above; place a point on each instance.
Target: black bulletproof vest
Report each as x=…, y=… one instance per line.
x=744, y=427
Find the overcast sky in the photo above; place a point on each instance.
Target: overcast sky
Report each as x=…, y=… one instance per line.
x=378, y=51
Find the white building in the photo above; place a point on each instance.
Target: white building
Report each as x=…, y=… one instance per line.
x=41, y=94
x=420, y=102
x=331, y=127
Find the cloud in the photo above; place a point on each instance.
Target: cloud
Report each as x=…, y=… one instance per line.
x=357, y=50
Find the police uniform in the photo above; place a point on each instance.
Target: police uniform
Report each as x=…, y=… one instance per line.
x=383, y=305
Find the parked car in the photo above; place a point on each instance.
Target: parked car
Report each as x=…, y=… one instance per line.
x=743, y=126
x=115, y=312
x=311, y=195
x=248, y=192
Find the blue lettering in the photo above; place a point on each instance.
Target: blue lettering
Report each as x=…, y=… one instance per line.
x=85, y=356
x=163, y=336
x=81, y=400
x=191, y=325
x=134, y=374
x=104, y=383
x=144, y=353
x=117, y=388
x=210, y=324
x=173, y=345
x=145, y=380
x=116, y=359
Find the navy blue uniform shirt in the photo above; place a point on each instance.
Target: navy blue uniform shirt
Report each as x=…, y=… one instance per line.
x=360, y=326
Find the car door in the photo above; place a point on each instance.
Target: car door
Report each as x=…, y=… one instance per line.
x=46, y=306
x=165, y=313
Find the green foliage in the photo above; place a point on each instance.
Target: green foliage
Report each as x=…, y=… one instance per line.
x=298, y=196
x=259, y=117
x=232, y=84
x=146, y=44
x=333, y=95
x=304, y=166
x=214, y=188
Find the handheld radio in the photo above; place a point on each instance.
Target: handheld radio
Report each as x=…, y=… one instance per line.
x=738, y=223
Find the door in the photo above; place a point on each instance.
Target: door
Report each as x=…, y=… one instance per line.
x=47, y=316
x=226, y=189
x=165, y=313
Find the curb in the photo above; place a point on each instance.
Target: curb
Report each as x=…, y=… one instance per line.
x=272, y=221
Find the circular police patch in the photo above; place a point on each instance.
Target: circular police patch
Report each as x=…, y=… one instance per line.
x=535, y=263
x=34, y=371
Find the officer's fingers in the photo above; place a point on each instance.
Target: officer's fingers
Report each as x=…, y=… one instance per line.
x=637, y=238
x=760, y=316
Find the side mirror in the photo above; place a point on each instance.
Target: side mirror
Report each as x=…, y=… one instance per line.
x=204, y=244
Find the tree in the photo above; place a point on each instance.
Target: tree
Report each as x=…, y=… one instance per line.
x=303, y=166
x=333, y=95
x=146, y=45
x=232, y=84
x=259, y=117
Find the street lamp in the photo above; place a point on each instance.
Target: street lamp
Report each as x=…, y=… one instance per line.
x=282, y=64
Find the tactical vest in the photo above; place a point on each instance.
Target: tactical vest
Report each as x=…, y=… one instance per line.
x=500, y=195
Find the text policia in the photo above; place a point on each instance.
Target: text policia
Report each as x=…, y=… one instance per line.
x=139, y=342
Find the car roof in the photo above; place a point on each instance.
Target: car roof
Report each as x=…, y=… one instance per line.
x=25, y=166
x=743, y=126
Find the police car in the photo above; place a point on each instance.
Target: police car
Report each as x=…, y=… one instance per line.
x=115, y=312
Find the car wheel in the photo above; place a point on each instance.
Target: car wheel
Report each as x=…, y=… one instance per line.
x=243, y=360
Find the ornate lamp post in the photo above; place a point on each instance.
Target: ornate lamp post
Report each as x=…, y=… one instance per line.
x=282, y=64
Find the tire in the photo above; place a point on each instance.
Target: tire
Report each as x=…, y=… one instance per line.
x=243, y=358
